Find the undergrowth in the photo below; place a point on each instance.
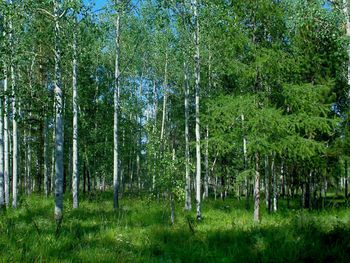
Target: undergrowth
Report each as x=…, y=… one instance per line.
x=140, y=231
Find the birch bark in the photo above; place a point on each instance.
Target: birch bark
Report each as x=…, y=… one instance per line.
x=257, y=190
x=46, y=158
x=165, y=96
x=116, y=106
x=347, y=22
x=6, y=141
x=197, y=95
x=188, y=203
x=14, y=118
x=59, y=119
x=75, y=183
x=2, y=179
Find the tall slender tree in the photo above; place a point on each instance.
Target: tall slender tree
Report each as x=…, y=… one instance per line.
x=188, y=203
x=2, y=181
x=118, y=8
x=257, y=190
x=347, y=33
x=6, y=140
x=14, y=113
x=59, y=118
x=197, y=96
x=75, y=185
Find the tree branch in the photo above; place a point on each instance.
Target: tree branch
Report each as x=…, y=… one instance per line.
x=46, y=12
x=63, y=13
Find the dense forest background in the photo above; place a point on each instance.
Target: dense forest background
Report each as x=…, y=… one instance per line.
x=175, y=102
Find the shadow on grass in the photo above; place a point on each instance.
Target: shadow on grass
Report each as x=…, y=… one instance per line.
x=259, y=244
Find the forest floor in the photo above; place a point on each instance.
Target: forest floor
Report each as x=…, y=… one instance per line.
x=140, y=231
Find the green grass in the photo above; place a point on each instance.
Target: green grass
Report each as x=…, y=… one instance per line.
x=140, y=232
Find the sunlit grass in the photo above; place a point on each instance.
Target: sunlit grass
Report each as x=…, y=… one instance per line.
x=140, y=231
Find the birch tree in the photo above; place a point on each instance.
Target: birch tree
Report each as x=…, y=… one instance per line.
x=165, y=97
x=184, y=36
x=58, y=113
x=197, y=96
x=6, y=140
x=14, y=115
x=347, y=34
x=257, y=190
x=116, y=103
x=188, y=204
x=46, y=158
x=75, y=183
x=2, y=181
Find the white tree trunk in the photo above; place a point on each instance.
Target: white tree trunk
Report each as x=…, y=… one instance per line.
x=14, y=142
x=172, y=199
x=25, y=143
x=29, y=159
x=6, y=142
x=139, y=141
x=267, y=182
x=206, y=162
x=207, y=174
x=14, y=120
x=46, y=158
x=3, y=172
x=274, y=187
x=197, y=88
x=29, y=182
x=116, y=106
x=59, y=119
x=155, y=107
x=347, y=22
x=188, y=203
x=52, y=179
x=75, y=183
x=2, y=179
x=257, y=190
x=165, y=86
x=283, y=180
x=245, y=164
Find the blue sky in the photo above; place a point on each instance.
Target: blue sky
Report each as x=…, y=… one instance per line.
x=101, y=3
x=98, y=3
